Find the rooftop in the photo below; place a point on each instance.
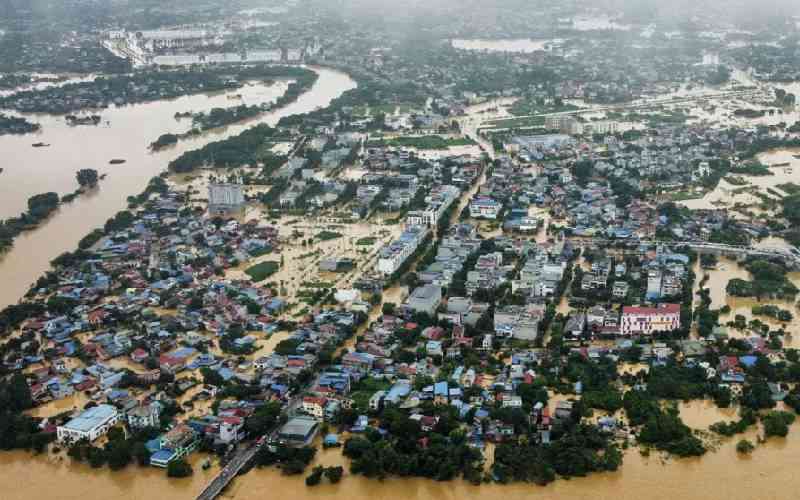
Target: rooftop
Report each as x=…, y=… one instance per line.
x=91, y=418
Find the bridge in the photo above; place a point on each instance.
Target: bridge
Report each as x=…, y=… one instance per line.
x=243, y=457
x=789, y=255
x=239, y=460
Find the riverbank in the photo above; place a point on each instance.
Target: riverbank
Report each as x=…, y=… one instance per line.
x=768, y=474
x=53, y=168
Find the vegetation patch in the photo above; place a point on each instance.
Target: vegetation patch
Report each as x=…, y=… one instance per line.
x=263, y=270
x=769, y=280
x=423, y=142
x=366, y=242
x=328, y=235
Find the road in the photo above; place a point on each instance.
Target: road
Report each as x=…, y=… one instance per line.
x=228, y=473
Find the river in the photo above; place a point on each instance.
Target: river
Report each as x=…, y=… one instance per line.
x=521, y=45
x=131, y=129
x=767, y=475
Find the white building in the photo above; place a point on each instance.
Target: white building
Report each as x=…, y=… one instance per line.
x=394, y=254
x=601, y=127
x=484, y=208
x=425, y=299
x=653, y=284
x=89, y=425
x=649, y=320
x=143, y=416
x=314, y=406
x=225, y=198
x=231, y=429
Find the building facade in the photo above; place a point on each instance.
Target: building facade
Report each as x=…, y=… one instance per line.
x=89, y=425
x=649, y=320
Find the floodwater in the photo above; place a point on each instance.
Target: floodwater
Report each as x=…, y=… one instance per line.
x=131, y=129
x=125, y=132
x=728, y=269
x=598, y=23
x=522, y=45
x=784, y=167
x=769, y=474
x=701, y=414
x=47, y=84
x=299, y=271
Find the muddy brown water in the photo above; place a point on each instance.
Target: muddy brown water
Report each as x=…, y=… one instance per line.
x=132, y=128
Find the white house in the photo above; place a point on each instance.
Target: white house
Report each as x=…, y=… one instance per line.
x=142, y=416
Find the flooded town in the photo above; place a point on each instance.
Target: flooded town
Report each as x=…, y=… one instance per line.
x=375, y=249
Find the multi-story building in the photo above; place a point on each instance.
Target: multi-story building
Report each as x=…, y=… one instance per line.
x=566, y=124
x=174, y=445
x=395, y=254
x=653, y=284
x=89, y=425
x=425, y=299
x=484, y=208
x=225, y=198
x=314, y=406
x=519, y=322
x=144, y=415
x=649, y=320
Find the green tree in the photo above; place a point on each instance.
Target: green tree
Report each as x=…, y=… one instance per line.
x=212, y=377
x=776, y=423
x=87, y=177
x=179, y=468
x=264, y=419
x=141, y=453
x=745, y=447
x=315, y=477
x=334, y=474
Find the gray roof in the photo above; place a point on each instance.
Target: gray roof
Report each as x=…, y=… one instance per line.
x=298, y=426
x=91, y=418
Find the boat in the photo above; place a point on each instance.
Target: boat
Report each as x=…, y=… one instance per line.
x=796, y=157
x=778, y=165
x=39, y=145
x=116, y=161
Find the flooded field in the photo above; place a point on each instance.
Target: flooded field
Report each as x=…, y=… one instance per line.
x=785, y=168
x=718, y=278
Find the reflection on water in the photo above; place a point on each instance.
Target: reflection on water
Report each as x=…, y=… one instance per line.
x=132, y=129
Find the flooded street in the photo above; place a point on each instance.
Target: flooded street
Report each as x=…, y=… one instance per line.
x=132, y=128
